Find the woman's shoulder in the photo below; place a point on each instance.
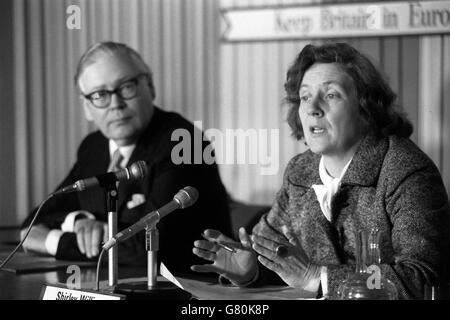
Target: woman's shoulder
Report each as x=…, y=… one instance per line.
x=303, y=159
x=303, y=168
x=404, y=158
x=405, y=153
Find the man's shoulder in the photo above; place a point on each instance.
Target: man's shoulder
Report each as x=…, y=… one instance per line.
x=168, y=128
x=93, y=139
x=94, y=142
x=172, y=120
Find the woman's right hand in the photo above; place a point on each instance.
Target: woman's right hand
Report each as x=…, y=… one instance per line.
x=239, y=267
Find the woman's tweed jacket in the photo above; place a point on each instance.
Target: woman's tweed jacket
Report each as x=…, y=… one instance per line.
x=390, y=185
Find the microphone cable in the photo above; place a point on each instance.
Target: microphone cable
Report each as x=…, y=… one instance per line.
x=97, y=273
x=9, y=257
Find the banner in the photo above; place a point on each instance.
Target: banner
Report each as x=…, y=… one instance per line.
x=342, y=21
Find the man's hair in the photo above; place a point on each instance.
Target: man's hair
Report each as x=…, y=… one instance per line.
x=376, y=98
x=113, y=48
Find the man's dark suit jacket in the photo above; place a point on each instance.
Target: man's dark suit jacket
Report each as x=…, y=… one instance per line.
x=177, y=230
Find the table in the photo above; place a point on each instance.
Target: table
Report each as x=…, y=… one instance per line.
x=28, y=285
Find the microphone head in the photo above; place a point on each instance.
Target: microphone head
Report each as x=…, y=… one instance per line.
x=138, y=170
x=186, y=197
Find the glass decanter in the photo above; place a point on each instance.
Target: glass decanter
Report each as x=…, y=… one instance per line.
x=367, y=282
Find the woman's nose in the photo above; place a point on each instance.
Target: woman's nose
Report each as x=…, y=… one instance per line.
x=315, y=108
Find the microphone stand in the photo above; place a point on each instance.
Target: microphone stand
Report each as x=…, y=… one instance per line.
x=152, y=289
x=111, y=204
x=152, y=247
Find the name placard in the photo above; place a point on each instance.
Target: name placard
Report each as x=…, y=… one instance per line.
x=341, y=20
x=52, y=292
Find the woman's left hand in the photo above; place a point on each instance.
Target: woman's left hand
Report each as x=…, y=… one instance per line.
x=291, y=262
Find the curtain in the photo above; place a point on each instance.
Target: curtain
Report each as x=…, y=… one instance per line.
x=224, y=86
x=177, y=38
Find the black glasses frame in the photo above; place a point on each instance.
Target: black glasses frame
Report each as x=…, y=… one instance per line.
x=118, y=91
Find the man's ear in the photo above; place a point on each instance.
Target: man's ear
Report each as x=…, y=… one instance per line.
x=152, y=90
x=87, y=111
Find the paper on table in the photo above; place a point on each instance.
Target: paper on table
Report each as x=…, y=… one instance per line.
x=168, y=275
x=208, y=288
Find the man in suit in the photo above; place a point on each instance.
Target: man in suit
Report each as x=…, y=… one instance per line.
x=118, y=92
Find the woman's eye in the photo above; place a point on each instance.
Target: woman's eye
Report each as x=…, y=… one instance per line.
x=332, y=95
x=304, y=98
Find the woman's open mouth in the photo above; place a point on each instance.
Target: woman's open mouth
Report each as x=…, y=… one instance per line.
x=316, y=130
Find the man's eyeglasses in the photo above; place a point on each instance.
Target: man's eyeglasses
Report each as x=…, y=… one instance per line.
x=127, y=90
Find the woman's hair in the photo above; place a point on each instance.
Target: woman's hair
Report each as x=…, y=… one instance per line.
x=113, y=48
x=376, y=98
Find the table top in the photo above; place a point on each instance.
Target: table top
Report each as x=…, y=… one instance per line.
x=27, y=284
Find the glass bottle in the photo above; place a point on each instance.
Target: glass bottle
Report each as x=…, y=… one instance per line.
x=367, y=282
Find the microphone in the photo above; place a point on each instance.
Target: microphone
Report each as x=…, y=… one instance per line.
x=136, y=171
x=184, y=198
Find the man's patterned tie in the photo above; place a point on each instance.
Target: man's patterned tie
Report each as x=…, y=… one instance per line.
x=116, y=160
